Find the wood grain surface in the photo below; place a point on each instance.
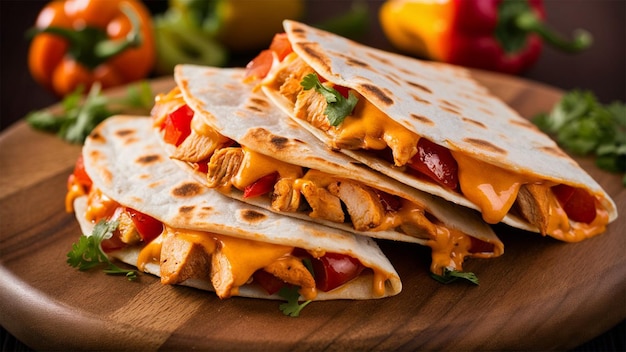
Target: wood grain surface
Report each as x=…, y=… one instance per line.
x=541, y=294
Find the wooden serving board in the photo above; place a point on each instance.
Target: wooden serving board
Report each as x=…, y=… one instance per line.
x=541, y=294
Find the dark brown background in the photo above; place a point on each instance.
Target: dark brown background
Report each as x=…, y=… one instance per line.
x=602, y=69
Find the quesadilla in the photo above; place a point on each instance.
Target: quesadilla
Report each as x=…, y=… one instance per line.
x=430, y=126
x=239, y=143
x=207, y=240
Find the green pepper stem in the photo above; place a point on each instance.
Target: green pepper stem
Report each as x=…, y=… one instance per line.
x=530, y=23
x=90, y=46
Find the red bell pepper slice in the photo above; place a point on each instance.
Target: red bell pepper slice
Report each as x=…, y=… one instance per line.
x=436, y=162
x=177, y=125
x=148, y=227
x=577, y=203
x=333, y=270
x=261, y=186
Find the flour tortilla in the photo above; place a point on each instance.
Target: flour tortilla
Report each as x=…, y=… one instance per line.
x=125, y=161
x=442, y=103
x=240, y=113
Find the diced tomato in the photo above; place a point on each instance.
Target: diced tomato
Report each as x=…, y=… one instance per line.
x=260, y=66
x=201, y=166
x=178, y=125
x=479, y=246
x=436, y=162
x=281, y=45
x=333, y=270
x=577, y=203
x=261, y=186
x=345, y=91
x=112, y=244
x=80, y=175
x=270, y=283
x=389, y=201
x=148, y=227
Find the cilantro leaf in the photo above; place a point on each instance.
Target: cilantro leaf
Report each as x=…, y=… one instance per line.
x=453, y=275
x=87, y=253
x=292, y=307
x=338, y=107
x=582, y=125
x=78, y=116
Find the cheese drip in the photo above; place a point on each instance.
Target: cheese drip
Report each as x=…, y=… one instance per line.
x=491, y=188
x=256, y=165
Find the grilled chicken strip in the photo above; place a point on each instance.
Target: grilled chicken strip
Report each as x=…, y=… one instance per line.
x=324, y=204
x=362, y=202
x=533, y=202
x=223, y=166
x=182, y=260
x=291, y=270
x=285, y=198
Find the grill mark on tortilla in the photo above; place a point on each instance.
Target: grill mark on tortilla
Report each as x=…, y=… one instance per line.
x=419, y=86
x=148, y=159
x=279, y=142
x=124, y=133
x=351, y=61
x=260, y=102
x=554, y=151
x=524, y=123
x=379, y=59
x=420, y=100
x=486, y=145
x=97, y=137
x=189, y=189
x=474, y=122
x=311, y=50
x=379, y=93
x=254, y=108
x=449, y=104
x=450, y=110
x=423, y=119
x=252, y=215
x=186, y=209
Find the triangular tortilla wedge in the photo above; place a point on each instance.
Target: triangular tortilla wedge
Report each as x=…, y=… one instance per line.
x=125, y=161
x=229, y=108
x=405, y=100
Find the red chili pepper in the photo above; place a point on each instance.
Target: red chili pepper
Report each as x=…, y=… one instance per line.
x=505, y=36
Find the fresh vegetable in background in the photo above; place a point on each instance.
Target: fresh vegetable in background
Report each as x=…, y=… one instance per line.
x=209, y=32
x=79, y=42
x=80, y=116
x=505, y=36
x=584, y=126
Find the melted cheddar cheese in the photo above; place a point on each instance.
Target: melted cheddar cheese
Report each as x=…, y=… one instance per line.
x=256, y=165
x=492, y=189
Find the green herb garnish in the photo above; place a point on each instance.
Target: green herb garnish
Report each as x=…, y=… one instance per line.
x=453, y=275
x=584, y=126
x=292, y=307
x=80, y=116
x=338, y=106
x=87, y=253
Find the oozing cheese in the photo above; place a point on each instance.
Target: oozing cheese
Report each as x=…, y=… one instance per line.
x=493, y=189
x=256, y=165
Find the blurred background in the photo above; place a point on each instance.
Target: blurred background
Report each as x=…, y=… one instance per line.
x=600, y=69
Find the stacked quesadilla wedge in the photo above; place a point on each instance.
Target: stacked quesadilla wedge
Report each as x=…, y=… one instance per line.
x=207, y=240
x=236, y=141
x=432, y=127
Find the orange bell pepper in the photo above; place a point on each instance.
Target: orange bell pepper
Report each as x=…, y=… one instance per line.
x=79, y=42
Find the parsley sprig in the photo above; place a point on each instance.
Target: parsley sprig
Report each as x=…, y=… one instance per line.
x=338, y=107
x=584, y=126
x=292, y=307
x=87, y=253
x=450, y=275
x=80, y=115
